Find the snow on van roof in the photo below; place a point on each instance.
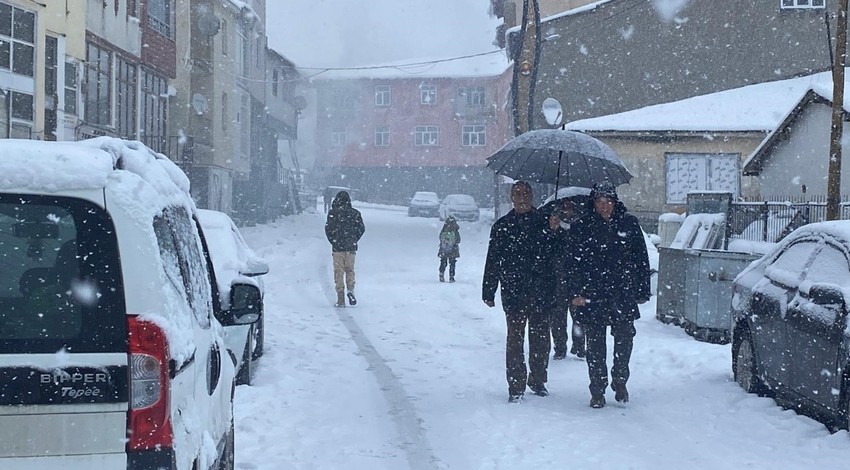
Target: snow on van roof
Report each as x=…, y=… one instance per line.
x=57, y=166
x=52, y=166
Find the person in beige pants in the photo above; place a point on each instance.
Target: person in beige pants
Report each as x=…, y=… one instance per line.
x=344, y=228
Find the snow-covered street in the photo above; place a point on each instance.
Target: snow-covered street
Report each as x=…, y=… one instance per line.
x=414, y=377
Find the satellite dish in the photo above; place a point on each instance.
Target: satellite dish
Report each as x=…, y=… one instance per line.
x=552, y=111
x=208, y=24
x=200, y=103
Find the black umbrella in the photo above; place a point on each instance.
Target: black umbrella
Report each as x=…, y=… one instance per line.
x=559, y=157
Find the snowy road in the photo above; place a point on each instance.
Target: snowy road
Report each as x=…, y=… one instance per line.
x=413, y=376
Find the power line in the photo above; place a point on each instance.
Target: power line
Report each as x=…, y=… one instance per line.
x=399, y=66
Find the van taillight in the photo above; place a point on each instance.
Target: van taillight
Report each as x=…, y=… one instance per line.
x=149, y=417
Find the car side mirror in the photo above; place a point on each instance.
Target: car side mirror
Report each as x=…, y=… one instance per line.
x=827, y=295
x=256, y=267
x=246, y=304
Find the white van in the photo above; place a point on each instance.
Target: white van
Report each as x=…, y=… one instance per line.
x=110, y=355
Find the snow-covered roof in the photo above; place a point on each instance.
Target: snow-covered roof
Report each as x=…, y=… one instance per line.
x=485, y=65
x=759, y=107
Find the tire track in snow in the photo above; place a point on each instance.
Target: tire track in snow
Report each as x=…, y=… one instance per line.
x=414, y=442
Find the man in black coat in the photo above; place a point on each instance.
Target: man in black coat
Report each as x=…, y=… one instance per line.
x=517, y=260
x=608, y=277
x=344, y=228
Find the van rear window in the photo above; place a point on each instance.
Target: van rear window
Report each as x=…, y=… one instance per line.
x=61, y=283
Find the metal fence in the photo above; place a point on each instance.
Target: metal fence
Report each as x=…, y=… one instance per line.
x=771, y=221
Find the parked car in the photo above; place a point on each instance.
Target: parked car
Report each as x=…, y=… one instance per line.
x=424, y=203
x=459, y=206
x=789, y=316
x=110, y=354
x=234, y=263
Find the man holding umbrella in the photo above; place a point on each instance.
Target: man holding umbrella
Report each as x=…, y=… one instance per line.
x=609, y=276
x=517, y=260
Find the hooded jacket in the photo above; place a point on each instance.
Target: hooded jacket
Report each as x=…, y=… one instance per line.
x=449, y=227
x=344, y=226
x=609, y=267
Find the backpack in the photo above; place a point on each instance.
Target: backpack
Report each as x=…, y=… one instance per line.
x=448, y=242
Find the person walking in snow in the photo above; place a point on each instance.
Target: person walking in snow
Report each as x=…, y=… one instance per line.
x=559, y=308
x=344, y=228
x=449, y=250
x=517, y=260
x=609, y=276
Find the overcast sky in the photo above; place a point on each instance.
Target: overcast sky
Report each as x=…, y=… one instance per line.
x=339, y=33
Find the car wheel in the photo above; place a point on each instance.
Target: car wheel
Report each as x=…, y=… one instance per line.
x=259, y=337
x=744, y=364
x=246, y=370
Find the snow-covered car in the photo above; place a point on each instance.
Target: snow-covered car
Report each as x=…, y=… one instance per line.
x=790, y=337
x=424, y=203
x=459, y=206
x=234, y=263
x=110, y=354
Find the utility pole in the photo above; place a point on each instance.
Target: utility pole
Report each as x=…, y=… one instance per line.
x=833, y=183
x=524, y=78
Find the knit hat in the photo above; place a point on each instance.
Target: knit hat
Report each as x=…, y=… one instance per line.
x=604, y=189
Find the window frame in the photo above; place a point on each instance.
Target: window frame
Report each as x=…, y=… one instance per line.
x=706, y=184
x=338, y=137
x=421, y=132
x=427, y=90
x=98, y=82
x=163, y=26
x=382, y=136
x=16, y=42
x=383, y=95
x=797, y=4
x=474, y=135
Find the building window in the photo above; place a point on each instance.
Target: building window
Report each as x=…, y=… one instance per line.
x=338, y=137
x=225, y=115
x=245, y=127
x=17, y=40
x=382, y=137
x=475, y=96
x=125, y=99
x=154, y=110
x=243, y=51
x=427, y=135
x=132, y=8
x=159, y=16
x=98, y=96
x=474, y=135
x=427, y=94
x=803, y=4
x=51, y=86
x=382, y=95
x=275, y=82
x=342, y=99
x=21, y=114
x=223, y=33
x=700, y=172
x=70, y=88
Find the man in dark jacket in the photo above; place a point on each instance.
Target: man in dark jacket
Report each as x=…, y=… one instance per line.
x=344, y=229
x=517, y=259
x=608, y=277
x=559, y=305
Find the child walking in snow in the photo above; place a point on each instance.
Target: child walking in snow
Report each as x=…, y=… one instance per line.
x=449, y=250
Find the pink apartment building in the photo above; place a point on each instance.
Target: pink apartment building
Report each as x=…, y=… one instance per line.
x=389, y=132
